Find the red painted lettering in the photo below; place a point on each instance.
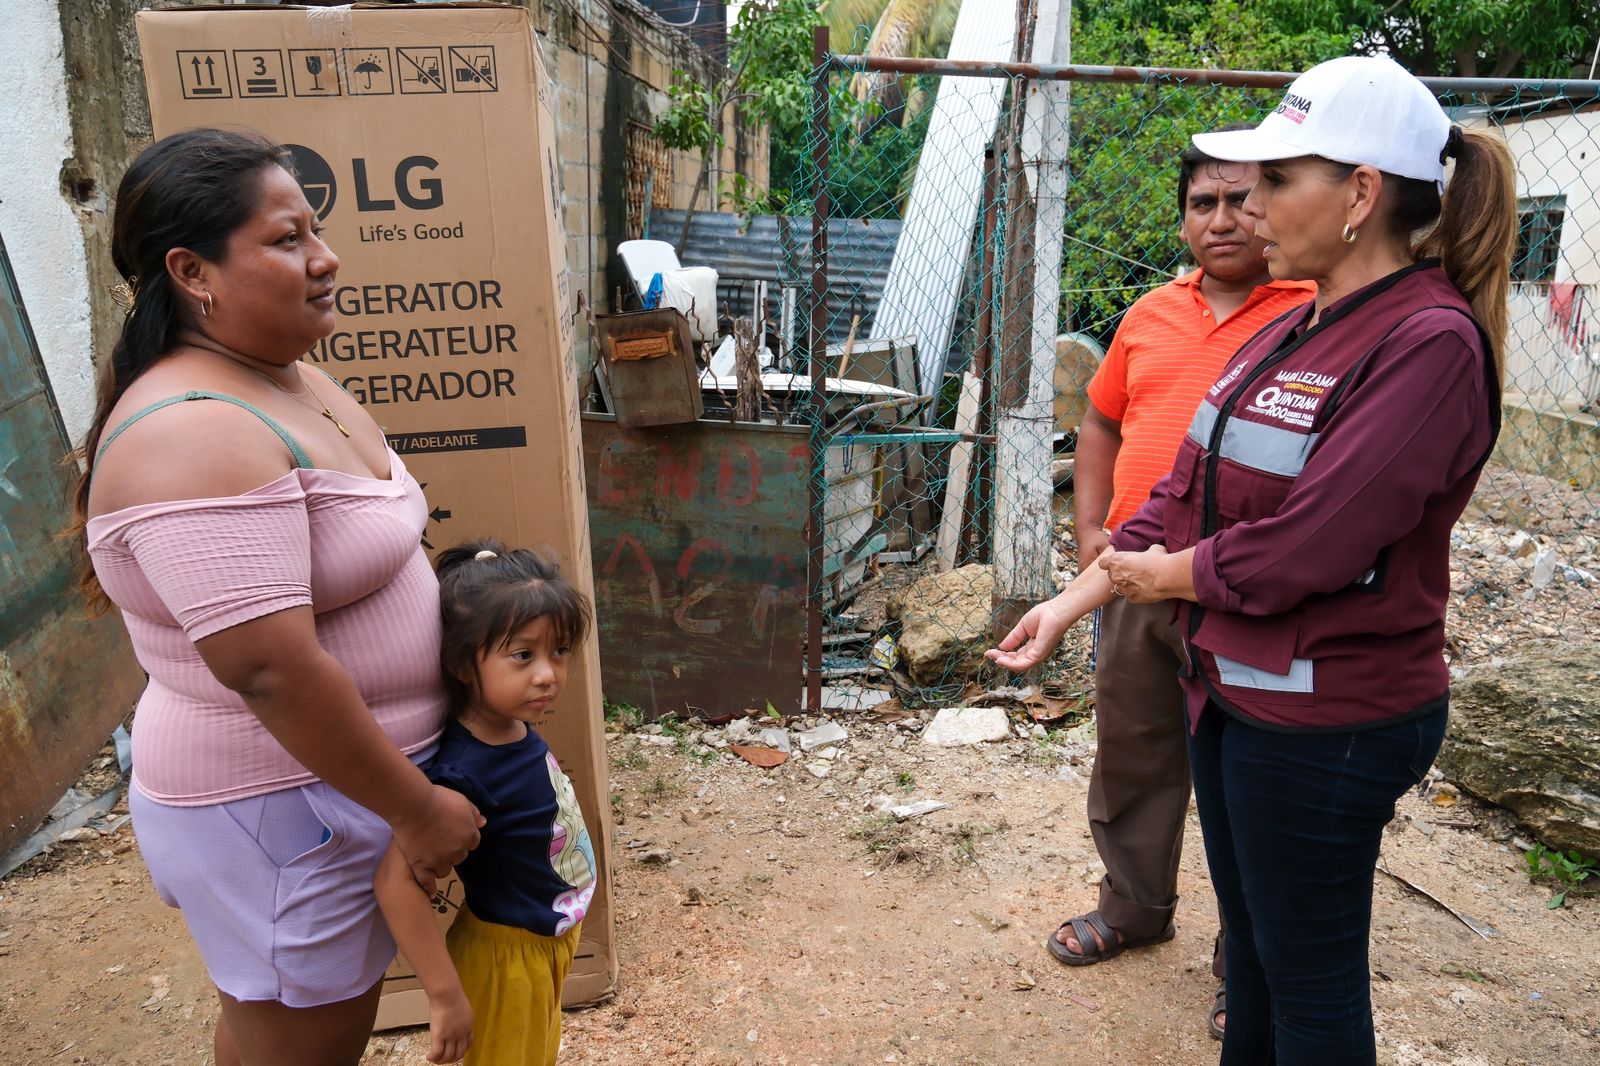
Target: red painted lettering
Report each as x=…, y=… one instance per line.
x=700, y=626
x=677, y=474
x=725, y=476
x=627, y=542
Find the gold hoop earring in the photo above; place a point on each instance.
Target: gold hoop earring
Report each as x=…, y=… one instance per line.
x=209, y=302
x=1349, y=234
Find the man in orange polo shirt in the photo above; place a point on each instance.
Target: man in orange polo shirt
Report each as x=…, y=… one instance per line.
x=1172, y=345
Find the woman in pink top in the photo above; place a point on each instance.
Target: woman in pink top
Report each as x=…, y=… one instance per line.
x=263, y=546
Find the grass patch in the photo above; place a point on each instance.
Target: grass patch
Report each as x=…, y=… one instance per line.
x=888, y=841
x=1043, y=754
x=965, y=838
x=660, y=789
x=631, y=758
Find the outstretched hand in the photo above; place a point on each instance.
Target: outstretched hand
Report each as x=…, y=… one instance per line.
x=1033, y=639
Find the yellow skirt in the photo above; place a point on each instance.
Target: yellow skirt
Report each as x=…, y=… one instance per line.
x=513, y=980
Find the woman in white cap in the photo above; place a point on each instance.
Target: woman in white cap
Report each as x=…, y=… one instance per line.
x=1305, y=533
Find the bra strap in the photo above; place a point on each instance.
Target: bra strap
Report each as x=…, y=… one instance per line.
x=301, y=459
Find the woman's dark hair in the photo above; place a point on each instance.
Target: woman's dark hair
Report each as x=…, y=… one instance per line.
x=191, y=190
x=1471, y=229
x=483, y=602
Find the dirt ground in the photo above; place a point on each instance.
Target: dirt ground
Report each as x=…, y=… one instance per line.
x=795, y=924
x=791, y=922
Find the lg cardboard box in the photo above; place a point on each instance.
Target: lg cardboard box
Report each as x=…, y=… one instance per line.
x=424, y=139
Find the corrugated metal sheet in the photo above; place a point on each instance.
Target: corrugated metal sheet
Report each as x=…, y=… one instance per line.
x=65, y=681
x=778, y=251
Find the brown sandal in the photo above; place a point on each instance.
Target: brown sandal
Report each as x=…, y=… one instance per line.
x=1110, y=947
x=1218, y=1006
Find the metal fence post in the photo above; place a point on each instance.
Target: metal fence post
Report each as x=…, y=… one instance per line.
x=816, y=354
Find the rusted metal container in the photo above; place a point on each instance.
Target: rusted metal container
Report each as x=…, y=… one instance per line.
x=699, y=546
x=649, y=361
x=65, y=681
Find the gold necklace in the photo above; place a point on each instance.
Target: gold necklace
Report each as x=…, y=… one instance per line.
x=316, y=401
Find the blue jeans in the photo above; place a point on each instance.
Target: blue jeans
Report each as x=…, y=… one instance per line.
x=1292, y=825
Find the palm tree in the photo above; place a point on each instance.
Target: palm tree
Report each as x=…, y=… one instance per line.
x=899, y=28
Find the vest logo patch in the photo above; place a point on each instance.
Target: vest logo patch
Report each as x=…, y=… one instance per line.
x=1294, y=403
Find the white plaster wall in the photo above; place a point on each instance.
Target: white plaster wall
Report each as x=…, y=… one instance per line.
x=42, y=234
x=1560, y=155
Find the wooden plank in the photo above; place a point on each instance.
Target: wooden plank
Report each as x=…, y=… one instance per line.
x=960, y=475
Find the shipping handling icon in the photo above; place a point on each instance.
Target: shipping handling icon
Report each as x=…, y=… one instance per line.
x=474, y=68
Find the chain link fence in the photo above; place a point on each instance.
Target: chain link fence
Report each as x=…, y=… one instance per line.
x=934, y=339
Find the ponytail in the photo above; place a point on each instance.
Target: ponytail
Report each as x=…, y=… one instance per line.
x=1477, y=231
x=190, y=190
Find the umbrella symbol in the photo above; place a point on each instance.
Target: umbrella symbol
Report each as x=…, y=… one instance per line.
x=369, y=66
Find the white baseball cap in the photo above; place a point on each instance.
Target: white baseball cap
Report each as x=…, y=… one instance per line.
x=1358, y=109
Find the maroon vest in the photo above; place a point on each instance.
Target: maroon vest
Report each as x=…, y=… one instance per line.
x=1366, y=654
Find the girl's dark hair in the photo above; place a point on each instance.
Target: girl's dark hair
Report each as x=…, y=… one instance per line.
x=483, y=602
x=191, y=190
x=1471, y=229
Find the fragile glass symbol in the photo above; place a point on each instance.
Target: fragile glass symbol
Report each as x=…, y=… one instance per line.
x=314, y=68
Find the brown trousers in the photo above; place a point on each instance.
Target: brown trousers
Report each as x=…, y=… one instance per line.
x=1139, y=789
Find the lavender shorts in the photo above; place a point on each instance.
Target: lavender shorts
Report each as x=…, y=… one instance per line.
x=276, y=890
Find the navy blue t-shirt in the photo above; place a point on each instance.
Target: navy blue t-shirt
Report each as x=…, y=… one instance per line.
x=534, y=867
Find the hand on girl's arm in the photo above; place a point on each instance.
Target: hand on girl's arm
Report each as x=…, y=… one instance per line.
x=406, y=908
x=309, y=703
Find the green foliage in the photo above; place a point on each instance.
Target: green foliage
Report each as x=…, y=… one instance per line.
x=687, y=123
x=1567, y=870
x=906, y=780
x=624, y=716
x=769, y=48
x=870, y=173
x=1123, y=227
x=1472, y=38
x=768, y=80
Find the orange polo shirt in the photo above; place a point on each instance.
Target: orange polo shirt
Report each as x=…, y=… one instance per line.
x=1166, y=354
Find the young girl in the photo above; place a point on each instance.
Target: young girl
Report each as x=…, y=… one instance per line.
x=510, y=622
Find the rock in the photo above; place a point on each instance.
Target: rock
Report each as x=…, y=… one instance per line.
x=739, y=731
x=656, y=857
x=818, y=769
x=945, y=622
x=914, y=810
x=822, y=735
x=954, y=727
x=81, y=835
x=773, y=737
x=1525, y=735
